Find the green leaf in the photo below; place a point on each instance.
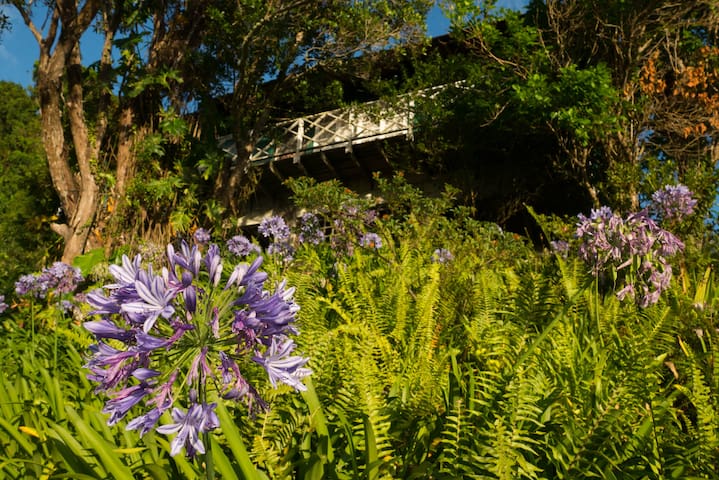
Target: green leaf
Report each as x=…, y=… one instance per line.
x=87, y=261
x=222, y=463
x=234, y=440
x=100, y=446
x=18, y=436
x=318, y=420
x=74, y=453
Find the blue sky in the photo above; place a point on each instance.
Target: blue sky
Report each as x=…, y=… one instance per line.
x=19, y=50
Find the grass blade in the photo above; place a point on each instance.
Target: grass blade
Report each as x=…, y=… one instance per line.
x=100, y=446
x=234, y=440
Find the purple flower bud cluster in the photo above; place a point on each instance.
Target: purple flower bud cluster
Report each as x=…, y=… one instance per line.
x=201, y=236
x=370, y=240
x=442, y=255
x=673, y=203
x=60, y=278
x=3, y=305
x=310, y=229
x=635, y=250
x=242, y=246
x=600, y=237
x=276, y=230
x=349, y=227
x=184, y=336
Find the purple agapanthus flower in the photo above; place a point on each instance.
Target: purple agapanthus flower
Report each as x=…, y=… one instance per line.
x=371, y=240
x=242, y=246
x=62, y=277
x=201, y=236
x=3, y=305
x=310, y=229
x=58, y=279
x=149, y=319
x=673, y=203
x=199, y=419
x=634, y=250
x=281, y=365
x=274, y=228
x=442, y=255
x=600, y=237
x=25, y=284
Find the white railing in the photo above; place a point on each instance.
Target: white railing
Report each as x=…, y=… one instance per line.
x=340, y=128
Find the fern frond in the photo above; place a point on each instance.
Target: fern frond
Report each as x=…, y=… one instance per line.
x=458, y=456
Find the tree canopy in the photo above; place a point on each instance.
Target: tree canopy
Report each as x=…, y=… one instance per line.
x=26, y=193
x=566, y=105
x=126, y=114
x=571, y=100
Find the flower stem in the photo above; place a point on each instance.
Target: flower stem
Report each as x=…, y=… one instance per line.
x=209, y=464
x=54, y=350
x=32, y=328
x=207, y=439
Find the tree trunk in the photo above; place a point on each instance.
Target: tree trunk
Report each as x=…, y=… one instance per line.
x=49, y=87
x=86, y=151
x=60, y=60
x=230, y=182
x=125, y=168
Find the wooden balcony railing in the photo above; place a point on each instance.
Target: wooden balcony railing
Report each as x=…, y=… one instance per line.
x=339, y=128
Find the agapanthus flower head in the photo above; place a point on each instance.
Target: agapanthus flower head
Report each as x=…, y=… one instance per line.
x=442, y=255
x=201, y=236
x=560, y=247
x=600, y=237
x=25, y=284
x=634, y=250
x=371, y=240
x=310, y=229
x=60, y=278
x=242, y=246
x=274, y=228
x=284, y=250
x=186, y=310
x=673, y=203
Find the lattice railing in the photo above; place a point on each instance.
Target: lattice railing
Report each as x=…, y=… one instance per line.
x=340, y=128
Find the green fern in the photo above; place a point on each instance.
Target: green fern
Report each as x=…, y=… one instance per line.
x=701, y=392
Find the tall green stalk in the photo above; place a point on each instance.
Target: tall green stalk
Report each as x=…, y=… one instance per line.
x=32, y=329
x=209, y=465
x=207, y=440
x=55, y=334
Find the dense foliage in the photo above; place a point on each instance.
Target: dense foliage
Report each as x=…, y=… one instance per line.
x=129, y=117
x=29, y=203
x=568, y=100
x=440, y=347
x=392, y=335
